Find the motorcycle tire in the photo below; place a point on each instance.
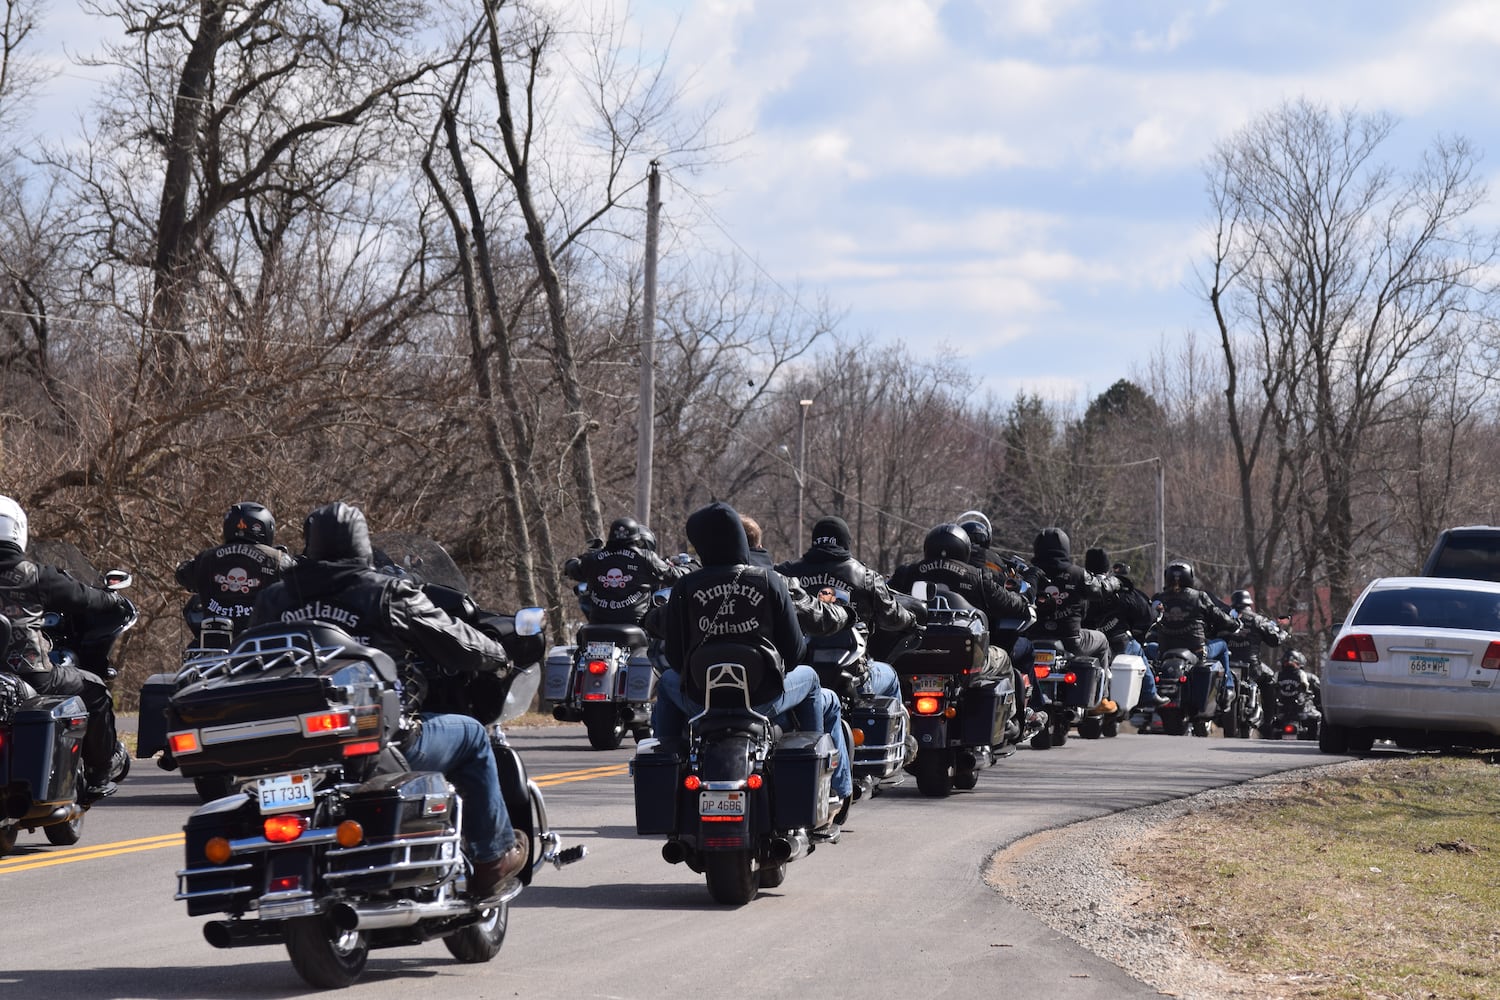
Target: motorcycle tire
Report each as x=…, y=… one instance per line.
x=1043, y=739
x=323, y=955
x=731, y=876
x=1060, y=732
x=1200, y=727
x=65, y=834
x=606, y=728
x=8, y=835
x=965, y=781
x=772, y=875
x=213, y=786
x=1232, y=722
x=1173, y=724
x=934, y=778
x=1110, y=728
x=1090, y=728
x=481, y=941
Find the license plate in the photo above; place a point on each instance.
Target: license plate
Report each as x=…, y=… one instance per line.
x=600, y=650
x=1044, y=658
x=1427, y=666
x=280, y=792
x=928, y=682
x=721, y=803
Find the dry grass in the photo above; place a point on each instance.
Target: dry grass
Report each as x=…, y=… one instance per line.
x=1383, y=885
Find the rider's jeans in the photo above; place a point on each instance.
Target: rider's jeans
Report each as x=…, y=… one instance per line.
x=459, y=746
x=803, y=701
x=882, y=681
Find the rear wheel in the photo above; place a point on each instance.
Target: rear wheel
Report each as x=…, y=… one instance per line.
x=1232, y=721
x=1090, y=728
x=213, y=786
x=965, y=780
x=1334, y=739
x=1110, y=728
x=933, y=777
x=1360, y=740
x=1200, y=727
x=606, y=728
x=480, y=942
x=323, y=955
x=1060, y=732
x=731, y=876
x=8, y=835
x=65, y=834
x=1043, y=739
x=1172, y=723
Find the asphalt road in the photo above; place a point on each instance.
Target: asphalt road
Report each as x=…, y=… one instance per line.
x=897, y=908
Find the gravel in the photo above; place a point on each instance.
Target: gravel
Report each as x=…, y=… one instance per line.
x=1035, y=872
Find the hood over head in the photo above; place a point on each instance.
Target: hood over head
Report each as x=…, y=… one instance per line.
x=718, y=534
x=337, y=532
x=1052, y=552
x=831, y=538
x=1096, y=561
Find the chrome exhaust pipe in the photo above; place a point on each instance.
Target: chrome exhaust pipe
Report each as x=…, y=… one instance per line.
x=674, y=852
x=789, y=847
x=241, y=933
x=348, y=916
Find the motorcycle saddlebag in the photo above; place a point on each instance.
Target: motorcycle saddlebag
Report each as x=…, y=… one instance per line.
x=656, y=783
x=879, y=719
x=41, y=753
x=151, y=732
x=801, y=776
x=400, y=813
x=980, y=723
x=1083, y=693
x=1200, y=695
x=640, y=678
x=557, y=673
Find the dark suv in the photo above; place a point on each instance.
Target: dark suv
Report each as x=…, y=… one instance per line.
x=1468, y=553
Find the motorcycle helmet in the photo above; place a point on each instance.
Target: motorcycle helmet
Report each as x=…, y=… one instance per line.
x=1292, y=658
x=1241, y=600
x=13, y=523
x=249, y=522
x=946, y=541
x=1120, y=569
x=977, y=527
x=625, y=533
x=1179, y=574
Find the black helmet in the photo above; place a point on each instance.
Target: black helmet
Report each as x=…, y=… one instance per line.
x=648, y=539
x=1180, y=574
x=1120, y=569
x=1292, y=658
x=625, y=533
x=249, y=522
x=946, y=541
x=337, y=532
x=978, y=532
x=1241, y=599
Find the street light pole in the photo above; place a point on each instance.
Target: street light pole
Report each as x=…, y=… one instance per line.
x=801, y=470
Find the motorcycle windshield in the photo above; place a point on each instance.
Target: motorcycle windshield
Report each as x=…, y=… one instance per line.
x=419, y=556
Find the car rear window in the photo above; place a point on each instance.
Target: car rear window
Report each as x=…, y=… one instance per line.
x=1430, y=608
x=1466, y=556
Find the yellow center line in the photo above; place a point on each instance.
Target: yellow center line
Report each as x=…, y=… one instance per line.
x=582, y=774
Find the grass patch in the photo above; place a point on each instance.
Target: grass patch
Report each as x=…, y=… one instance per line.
x=1385, y=884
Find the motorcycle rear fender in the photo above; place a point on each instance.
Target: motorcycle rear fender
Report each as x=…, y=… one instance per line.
x=516, y=789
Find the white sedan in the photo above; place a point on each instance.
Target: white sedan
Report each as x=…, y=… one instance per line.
x=1418, y=662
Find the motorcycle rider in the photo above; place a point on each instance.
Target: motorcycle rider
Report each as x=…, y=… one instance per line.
x=621, y=574
x=829, y=565
x=977, y=527
x=1187, y=617
x=336, y=581
x=227, y=578
x=1063, y=590
x=733, y=599
x=1119, y=615
x=28, y=590
x=821, y=615
x=1297, y=689
x=1244, y=645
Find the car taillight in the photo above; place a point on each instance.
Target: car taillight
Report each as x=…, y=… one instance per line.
x=1491, y=659
x=1355, y=648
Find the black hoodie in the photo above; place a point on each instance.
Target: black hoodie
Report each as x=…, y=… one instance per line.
x=729, y=598
x=336, y=581
x=1062, y=588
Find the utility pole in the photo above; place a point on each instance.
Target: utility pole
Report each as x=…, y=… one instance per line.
x=1161, y=525
x=801, y=472
x=646, y=431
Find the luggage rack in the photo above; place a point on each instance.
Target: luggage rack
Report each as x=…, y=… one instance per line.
x=261, y=652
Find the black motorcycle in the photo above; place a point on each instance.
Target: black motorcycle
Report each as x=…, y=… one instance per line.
x=332, y=846
x=878, y=728
x=1192, y=686
x=1249, y=710
x=746, y=799
x=42, y=777
x=1077, y=689
x=1298, y=715
x=959, y=714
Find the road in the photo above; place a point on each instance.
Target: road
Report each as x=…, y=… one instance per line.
x=898, y=907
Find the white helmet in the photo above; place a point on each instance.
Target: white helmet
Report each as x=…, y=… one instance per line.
x=12, y=522
x=975, y=515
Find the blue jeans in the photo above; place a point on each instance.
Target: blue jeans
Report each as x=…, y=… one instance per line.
x=459, y=747
x=882, y=681
x=803, y=702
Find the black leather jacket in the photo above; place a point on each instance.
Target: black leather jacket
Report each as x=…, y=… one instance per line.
x=1189, y=617
x=229, y=578
x=974, y=585
x=1063, y=589
x=868, y=594
x=620, y=583
x=28, y=590
x=1255, y=629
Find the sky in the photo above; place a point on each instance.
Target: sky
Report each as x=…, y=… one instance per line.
x=1019, y=183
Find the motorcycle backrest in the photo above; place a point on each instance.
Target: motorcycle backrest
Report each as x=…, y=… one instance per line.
x=733, y=675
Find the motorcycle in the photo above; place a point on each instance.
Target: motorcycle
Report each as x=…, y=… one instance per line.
x=332, y=846
x=42, y=775
x=1249, y=711
x=878, y=728
x=1297, y=715
x=1078, y=690
x=1192, y=687
x=605, y=680
x=746, y=799
x=958, y=716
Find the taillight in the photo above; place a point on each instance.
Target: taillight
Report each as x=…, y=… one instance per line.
x=1289, y=728
x=692, y=783
x=182, y=743
x=284, y=829
x=349, y=833
x=1041, y=671
x=361, y=749
x=927, y=705
x=286, y=883
x=1491, y=659
x=327, y=722
x=1070, y=678
x=1355, y=648
x=754, y=781
x=597, y=666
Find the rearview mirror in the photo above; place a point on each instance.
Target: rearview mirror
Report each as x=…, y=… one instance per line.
x=530, y=621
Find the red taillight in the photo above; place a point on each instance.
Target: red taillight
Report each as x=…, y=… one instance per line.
x=287, y=883
x=181, y=743
x=361, y=749
x=597, y=666
x=1070, y=678
x=596, y=696
x=1355, y=648
x=927, y=705
x=1041, y=672
x=284, y=829
x=1491, y=659
x=754, y=781
x=327, y=722
x=1289, y=728
x=692, y=783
